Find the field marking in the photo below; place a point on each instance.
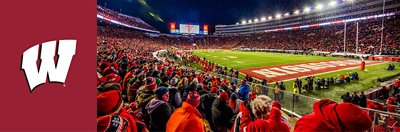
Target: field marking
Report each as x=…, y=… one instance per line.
x=301, y=77
x=349, y=68
x=233, y=57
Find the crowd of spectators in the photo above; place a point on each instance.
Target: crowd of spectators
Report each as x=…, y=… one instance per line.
x=138, y=92
x=391, y=98
x=325, y=38
x=129, y=20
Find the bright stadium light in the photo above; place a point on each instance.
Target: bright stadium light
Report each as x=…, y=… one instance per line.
x=307, y=9
x=256, y=20
x=270, y=17
x=263, y=18
x=287, y=14
x=249, y=21
x=278, y=16
x=319, y=6
x=237, y=23
x=332, y=3
x=243, y=21
x=296, y=12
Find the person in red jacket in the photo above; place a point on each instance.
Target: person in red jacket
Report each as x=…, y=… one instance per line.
x=275, y=121
x=331, y=116
x=397, y=83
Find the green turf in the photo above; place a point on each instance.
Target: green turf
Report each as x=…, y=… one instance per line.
x=244, y=60
x=368, y=78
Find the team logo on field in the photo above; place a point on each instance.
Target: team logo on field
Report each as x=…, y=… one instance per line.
x=57, y=72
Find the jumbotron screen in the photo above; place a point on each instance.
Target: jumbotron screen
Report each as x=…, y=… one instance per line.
x=189, y=29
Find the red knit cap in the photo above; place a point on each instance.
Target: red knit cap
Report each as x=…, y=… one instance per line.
x=353, y=118
x=109, y=102
x=277, y=105
x=252, y=95
x=224, y=96
x=112, y=78
x=112, y=123
x=193, y=98
x=214, y=90
x=151, y=83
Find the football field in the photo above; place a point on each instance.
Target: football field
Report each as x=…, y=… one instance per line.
x=244, y=60
x=287, y=67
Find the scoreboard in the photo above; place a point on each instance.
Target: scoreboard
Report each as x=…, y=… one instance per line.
x=189, y=29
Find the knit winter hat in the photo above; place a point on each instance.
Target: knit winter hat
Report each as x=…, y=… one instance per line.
x=277, y=105
x=193, y=98
x=214, y=90
x=261, y=104
x=112, y=78
x=161, y=91
x=165, y=79
x=109, y=102
x=112, y=123
x=174, y=81
x=252, y=95
x=151, y=83
x=353, y=118
x=224, y=96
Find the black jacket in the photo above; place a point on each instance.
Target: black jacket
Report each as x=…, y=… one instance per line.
x=222, y=114
x=363, y=101
x=159, y=112
x=207, y=101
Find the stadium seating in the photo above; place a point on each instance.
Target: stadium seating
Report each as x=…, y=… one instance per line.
x=328, y=38
x=113, y=15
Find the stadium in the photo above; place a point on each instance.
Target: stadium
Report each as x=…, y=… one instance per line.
x=331, y=66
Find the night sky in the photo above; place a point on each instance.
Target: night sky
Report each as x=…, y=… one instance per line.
x=159, y=13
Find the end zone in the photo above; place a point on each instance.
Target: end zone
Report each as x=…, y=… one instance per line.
x=297, y=70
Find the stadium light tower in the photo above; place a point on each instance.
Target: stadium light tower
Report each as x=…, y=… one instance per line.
x=243, y=21
x=263, y=18
x=296, y=12
x=249, y=21
x=237, y=23
x=270, y=17
x=319, y=6
x=307, y=9
x=332, y=3
x=287, y=14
